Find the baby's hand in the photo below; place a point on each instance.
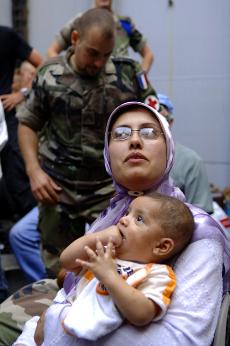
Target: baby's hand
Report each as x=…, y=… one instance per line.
x=101, y=261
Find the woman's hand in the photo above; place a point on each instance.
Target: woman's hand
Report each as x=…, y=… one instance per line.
x=112, y=234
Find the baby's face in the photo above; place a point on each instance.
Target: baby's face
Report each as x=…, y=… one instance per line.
x=140, y=231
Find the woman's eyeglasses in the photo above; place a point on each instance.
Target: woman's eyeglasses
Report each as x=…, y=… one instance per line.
x=122, y=133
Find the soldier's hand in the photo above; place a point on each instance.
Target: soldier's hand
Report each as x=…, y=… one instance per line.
x=44, y=188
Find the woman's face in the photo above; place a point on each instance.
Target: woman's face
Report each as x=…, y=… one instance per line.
x=137, y=163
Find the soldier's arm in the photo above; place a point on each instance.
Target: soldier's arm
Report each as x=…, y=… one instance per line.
x=28, y=142
x=62, y=40
x=43, y=187
x=147, y=58
x=54, y=49
x=139, y=44
x=32, y=118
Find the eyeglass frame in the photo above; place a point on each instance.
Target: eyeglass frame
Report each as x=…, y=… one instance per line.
x=158, y=134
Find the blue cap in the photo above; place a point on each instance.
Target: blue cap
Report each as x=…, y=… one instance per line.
x=164, y=100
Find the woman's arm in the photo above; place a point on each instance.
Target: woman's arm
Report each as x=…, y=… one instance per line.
x=77, y=248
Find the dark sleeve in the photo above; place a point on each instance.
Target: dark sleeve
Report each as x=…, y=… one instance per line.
x=22, y=49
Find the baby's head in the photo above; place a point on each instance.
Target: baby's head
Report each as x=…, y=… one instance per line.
x=155, y=228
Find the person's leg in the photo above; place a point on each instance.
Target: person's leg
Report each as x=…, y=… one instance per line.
x=24, y=239
x=29, y=301
x=7, y=207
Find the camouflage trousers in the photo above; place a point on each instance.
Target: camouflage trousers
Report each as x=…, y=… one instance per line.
x=29, y=301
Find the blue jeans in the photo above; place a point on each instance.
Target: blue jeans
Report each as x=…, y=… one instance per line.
x=24, y=239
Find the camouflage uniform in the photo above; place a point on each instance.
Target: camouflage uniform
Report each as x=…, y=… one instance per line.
x=72, y=111
x=18, y=309
x=126, y=35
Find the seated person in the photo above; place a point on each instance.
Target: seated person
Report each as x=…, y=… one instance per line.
x=142, y=240
x=188, y=172
x=139, y=161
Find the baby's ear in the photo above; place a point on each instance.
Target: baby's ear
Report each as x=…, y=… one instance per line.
x=74, y=37
x=163, y=247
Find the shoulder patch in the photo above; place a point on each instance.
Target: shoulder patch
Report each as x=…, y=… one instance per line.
x=142, y=80
x=125, y=18
x=127, y=26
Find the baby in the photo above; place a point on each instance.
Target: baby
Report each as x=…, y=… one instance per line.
x=136, y=285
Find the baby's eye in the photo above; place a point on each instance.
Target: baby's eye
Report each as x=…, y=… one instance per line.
x=140, y=218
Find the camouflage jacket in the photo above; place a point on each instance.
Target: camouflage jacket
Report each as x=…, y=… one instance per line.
x=126, y=35
x=72, y=111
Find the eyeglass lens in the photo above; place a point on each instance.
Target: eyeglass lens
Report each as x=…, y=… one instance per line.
x=124, y=132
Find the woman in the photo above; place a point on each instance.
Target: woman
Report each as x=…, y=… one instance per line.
x=139, y=156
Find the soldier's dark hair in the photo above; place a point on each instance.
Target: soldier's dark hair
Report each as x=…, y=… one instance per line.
x=175, y=219
x=96, y=17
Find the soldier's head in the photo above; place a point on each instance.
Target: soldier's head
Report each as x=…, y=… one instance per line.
x=107, y=4
x=93, y=41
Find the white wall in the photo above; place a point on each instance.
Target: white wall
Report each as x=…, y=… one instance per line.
x=191, y=43
x=5, y=12
x=46, y=17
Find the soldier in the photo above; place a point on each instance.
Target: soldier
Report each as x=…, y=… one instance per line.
x=127, y=36
x=69, y=104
